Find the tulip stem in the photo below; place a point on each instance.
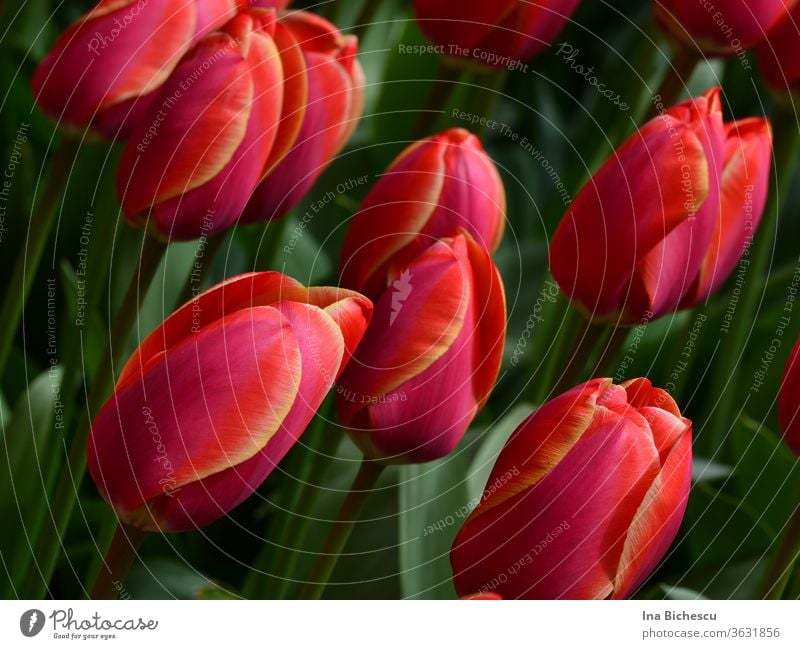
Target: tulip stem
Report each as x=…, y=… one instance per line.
x=786, y=558
x=71, y=475
x=675, y=80
x=43, y=215
x=118, y=561
x=277, y=558
x=366, y=17
x=582, y=346
x=322, y=569
x=565, y=335
x=443, y=86
x=201, y=268
x=723, y=381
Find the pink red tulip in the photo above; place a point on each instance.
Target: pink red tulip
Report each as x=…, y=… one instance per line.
x=213, y=399
x=195, y=158
x=501, y=33
x=665, y=220
x=103, y=71
x=435, y=186
x=324, y=99
x=431, y=356
x=584, y=499
x=789, y=401
x=777, y=56
x=721, y=27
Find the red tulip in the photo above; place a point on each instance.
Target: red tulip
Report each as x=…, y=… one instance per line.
x=721, y=28
x=744, y=186
x=323, y=103
x=777, y=56
x=430, y=358
x=213, y=399
x=194, y=160
x=584, y=499
x=103, y=71
x=789, y=401
x=435, y=186
x=665, y=220
x=502, y=33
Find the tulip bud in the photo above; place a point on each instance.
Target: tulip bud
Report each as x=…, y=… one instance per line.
x=777, y=55
x=499, y=34
x=194, y=160
x=789, y=401
x=213, y=399
x=321, y=110
x=103, y=71
x=584, y=500
x=666, y=218
x=434, y=187
x=430, y=358
x=726, y=28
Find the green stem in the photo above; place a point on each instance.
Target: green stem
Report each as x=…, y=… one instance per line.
x=784, y=561
x=483, y=95
x=443, y=87
x=589, y=337
x=118, y=562
x=103, y=539
x=675, y=80
x=366, y=17
x=270, y=243
x=71, y=475
x=322, y=569
x=201, y=269
x=273, y=567
x=787, y=149
x=551, y=313
x=565, y=335
x=43, y=216
x=609, y=352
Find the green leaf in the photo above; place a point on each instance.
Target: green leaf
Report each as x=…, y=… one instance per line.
x=766, y=474
x=434, y=502
x=493, y=441
x=27, y=449
x=162, y=578
x=704, y=470
x=678, y=593
x=718, y=529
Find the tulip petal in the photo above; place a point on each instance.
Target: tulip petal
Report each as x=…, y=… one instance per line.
x=391, y=216
x=789, y=401
x=424, y=311
x=633, y=213
x=95, y=64
x=423, y=415
x=533, y=454
x=326, y=114
x=656, y=523
x=211, y=93
x=563, y=537
x=528, y=30
x=348, y=308
x=490, y=321
x=745, y=184
x=223, y=198
x=201, y=502
x=211, y=402
x=466, y=26
x=295, y=94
